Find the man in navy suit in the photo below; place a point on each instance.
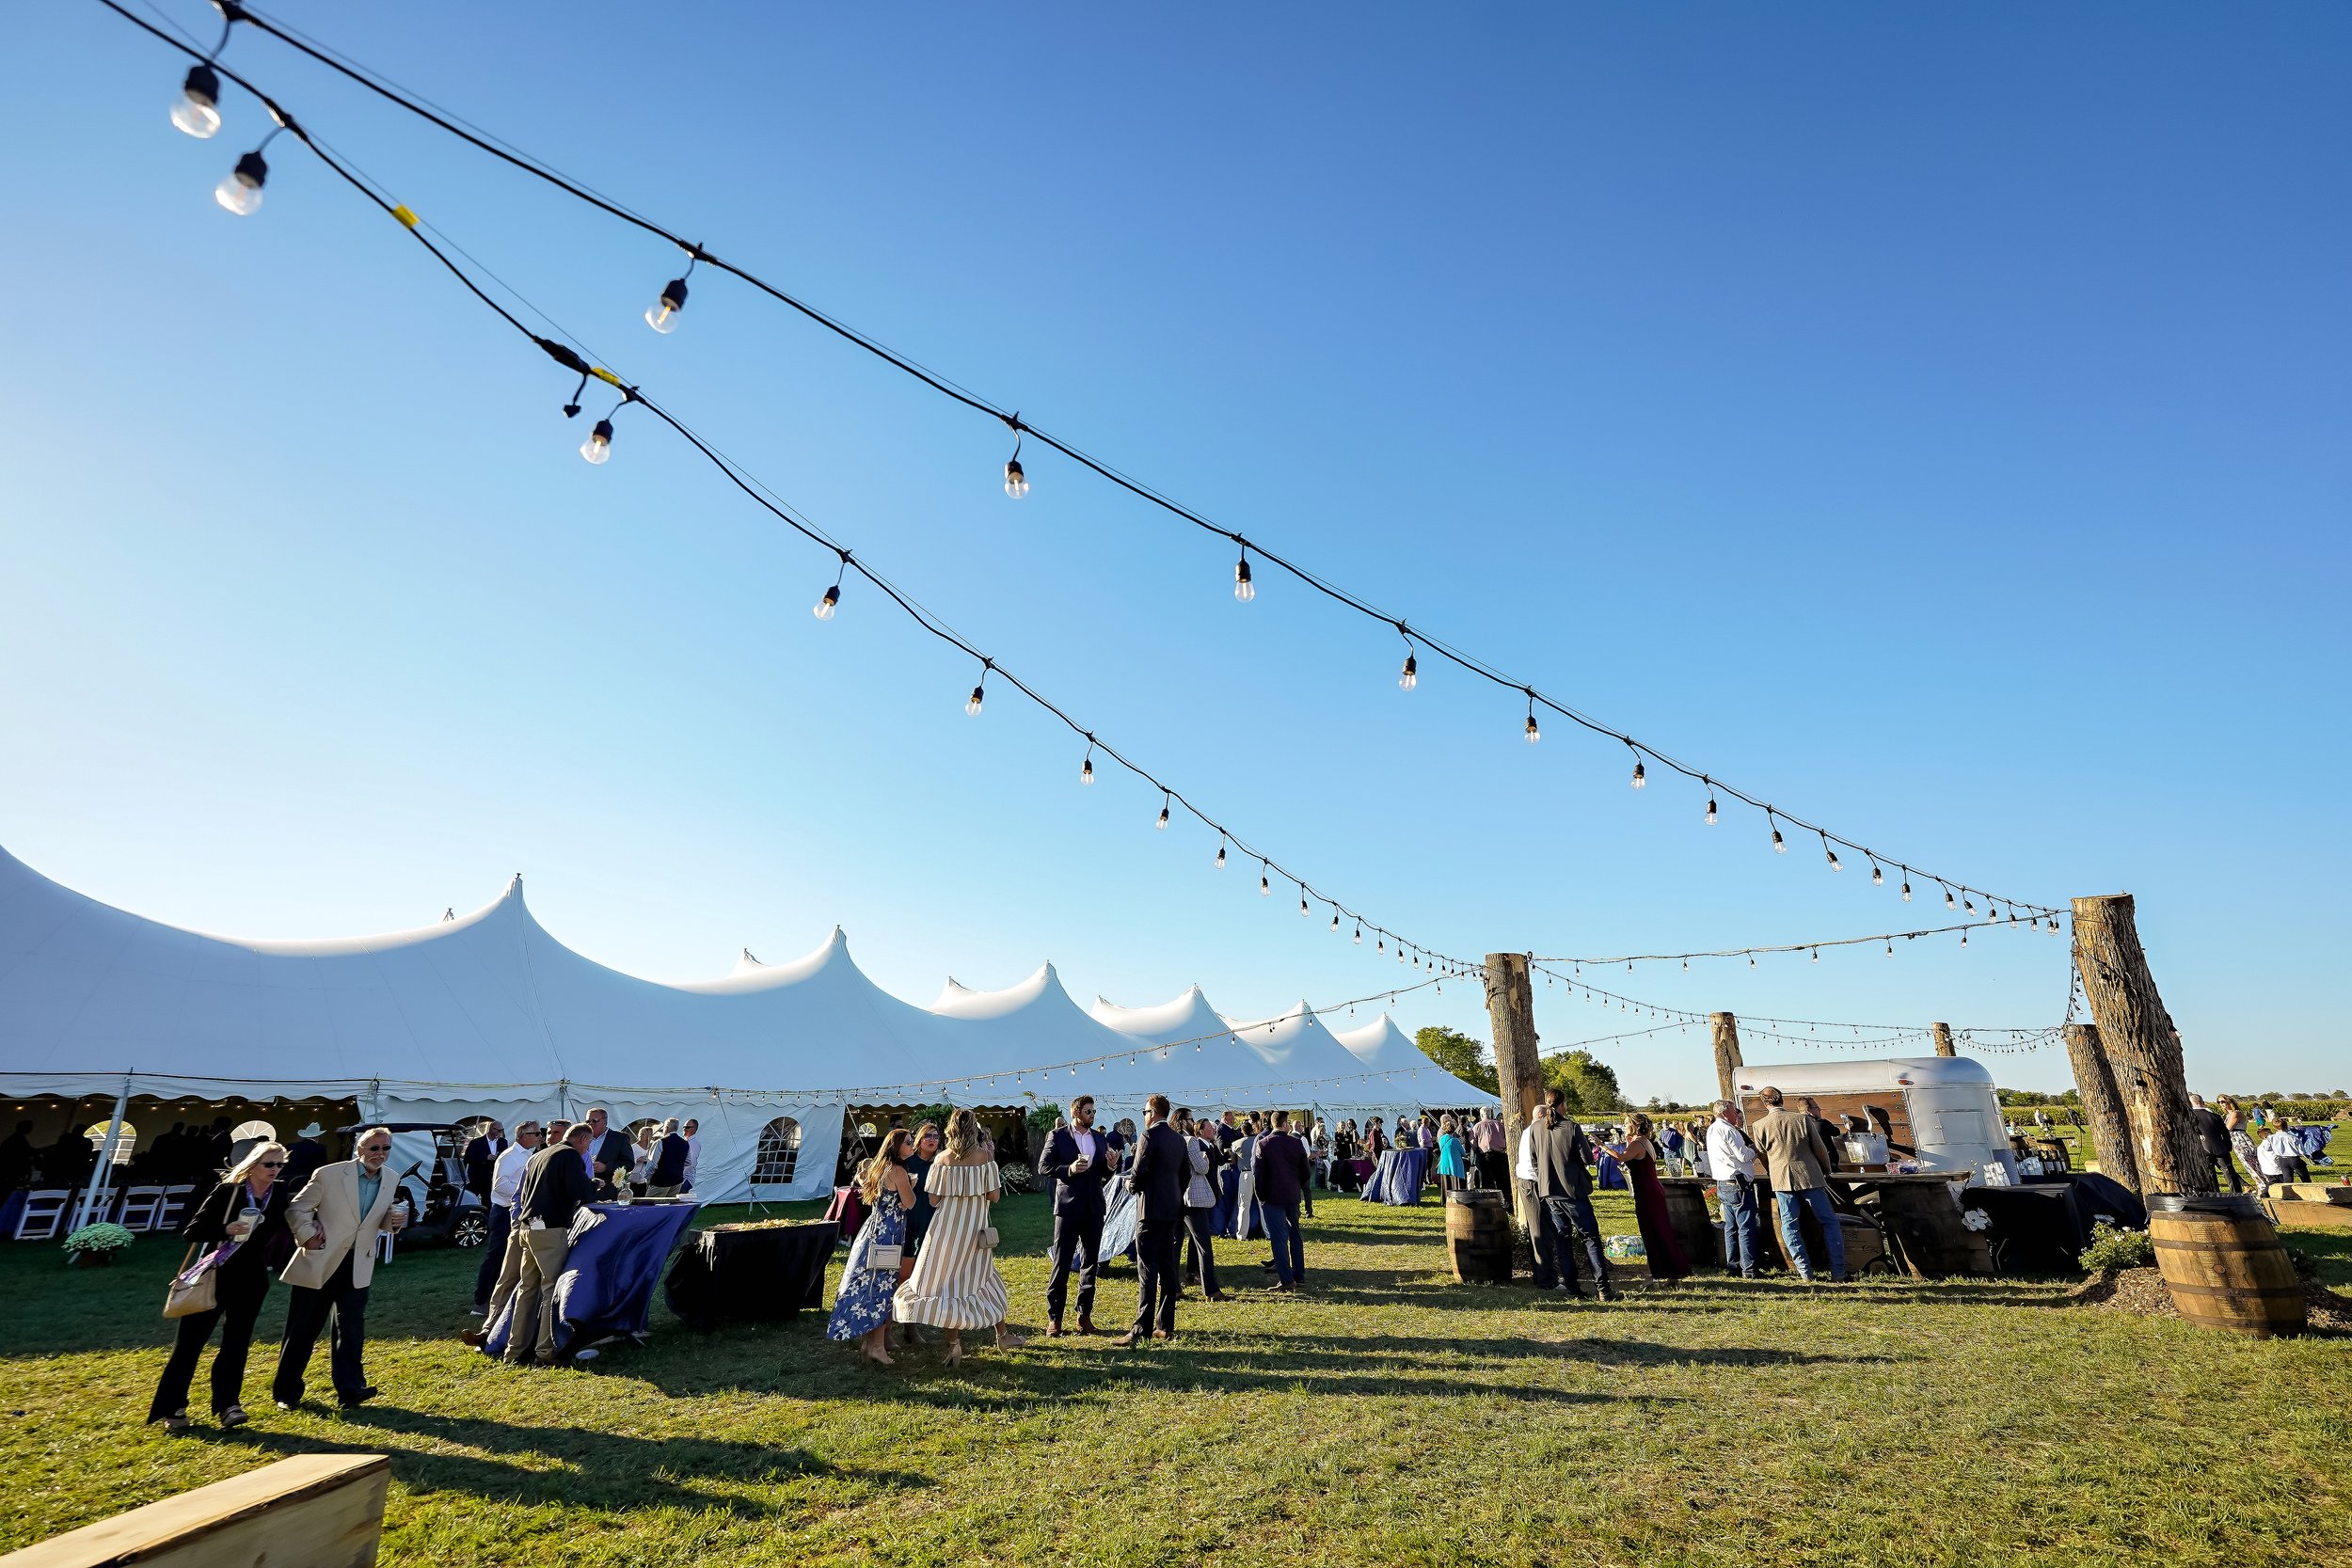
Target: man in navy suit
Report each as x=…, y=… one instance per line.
x=1080, y=1160
x=1158, y=1176
x=482, y=1158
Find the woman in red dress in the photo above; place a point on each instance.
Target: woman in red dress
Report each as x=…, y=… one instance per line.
x=1662, y=1249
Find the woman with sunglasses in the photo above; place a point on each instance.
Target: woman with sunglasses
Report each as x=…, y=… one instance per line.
x=240, y=1227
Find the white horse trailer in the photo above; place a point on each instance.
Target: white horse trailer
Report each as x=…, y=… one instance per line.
x=1937, y=1111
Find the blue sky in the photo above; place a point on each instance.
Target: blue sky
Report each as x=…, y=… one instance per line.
x=1933, y=422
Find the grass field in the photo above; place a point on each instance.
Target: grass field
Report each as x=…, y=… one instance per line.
x=1391, y=1416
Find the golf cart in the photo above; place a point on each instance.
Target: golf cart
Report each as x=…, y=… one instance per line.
x=435, y=1185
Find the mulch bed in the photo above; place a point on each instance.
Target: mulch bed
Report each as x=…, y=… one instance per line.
x=2143, y=1290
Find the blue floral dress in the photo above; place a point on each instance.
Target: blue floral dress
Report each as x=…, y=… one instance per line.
x=862, y=1303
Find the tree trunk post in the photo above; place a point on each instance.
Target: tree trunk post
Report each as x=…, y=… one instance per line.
x=1511, y=1008
x=2142, y=1049
x=2103, y=1107
x=1726, y=1030
x=1942, y=1040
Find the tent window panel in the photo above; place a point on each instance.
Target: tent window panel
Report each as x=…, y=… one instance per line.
x=779, y=1153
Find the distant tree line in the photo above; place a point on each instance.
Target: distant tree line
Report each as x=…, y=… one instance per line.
x=1588, y=1084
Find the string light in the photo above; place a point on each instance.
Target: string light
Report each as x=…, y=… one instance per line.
x=1086, y=770
x=196, y=110
x=663, y=314
x=1359, y=936
x=1016, y=481
x=831, y=601
x=1244, y=589
x=597, y=449
x=979, y=694
x=1877, y=877
x=1641, y=776
x=1534, y=734
x=241, y=191
x=1780, y=844
x=1411, y=677
x=1015, y=484
x=1831, y=853
x=1710, y=802
x=1265, y=888
x=1906, y=887
x=1162, y=823
x=1220, y=852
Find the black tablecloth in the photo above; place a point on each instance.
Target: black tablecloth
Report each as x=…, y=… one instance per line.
x=729, y=1274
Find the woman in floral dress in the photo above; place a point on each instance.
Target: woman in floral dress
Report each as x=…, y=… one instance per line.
x=954, y=1285
x=861, y=1304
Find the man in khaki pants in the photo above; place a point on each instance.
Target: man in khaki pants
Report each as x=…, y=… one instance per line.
x=555, y=1184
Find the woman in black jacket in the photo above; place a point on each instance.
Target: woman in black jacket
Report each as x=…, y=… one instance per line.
x=243, y=1222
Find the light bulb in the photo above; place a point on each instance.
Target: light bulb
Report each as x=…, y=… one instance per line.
x=663, y=314
x=196, y=109
x=1162, y=823
x=1833, y=858
x=1751, y=960
x=972, y=704
x=598, y=447
x=830, y=602
x=1359, y=936
x=1086, y=773
x=241, y=193
x=1534, y=734
x=1890, y=949
x=1780, y=844
x=1710, y=811
x=1016, y=483
x=1878, y=878
x=1948, y=900
x=1411, y=677
x=1906, y=891
x=1265, y=888
x=1963, y=939
x=1964, y=904
x=1220, y=854
x=1244, y=589
x=1335, y=925
x=1302, y=908
x=1641, y=777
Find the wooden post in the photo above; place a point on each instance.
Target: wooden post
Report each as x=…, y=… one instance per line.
x=2103, y=1107
x=1942, y=1040
x=1725, y=1029
x=1511, y=1008
x=2142, y=1047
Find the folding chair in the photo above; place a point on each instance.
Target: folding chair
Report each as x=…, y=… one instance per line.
x=172, y=1213
x=139, y=1207
x=94, y=1207
x=42, y=1213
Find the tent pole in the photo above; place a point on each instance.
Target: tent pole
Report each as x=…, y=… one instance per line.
x=105, y=1154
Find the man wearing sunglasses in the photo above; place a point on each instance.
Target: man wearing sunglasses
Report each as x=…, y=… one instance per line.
x=334, y=1221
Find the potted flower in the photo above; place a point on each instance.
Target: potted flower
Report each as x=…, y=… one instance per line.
x=94, y=1246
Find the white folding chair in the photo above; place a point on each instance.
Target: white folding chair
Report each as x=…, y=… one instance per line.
x=94, y=1207
x=44, y=1212
x=172, y=1213
x=139, y=1205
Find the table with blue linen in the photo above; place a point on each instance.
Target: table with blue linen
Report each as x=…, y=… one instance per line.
x=1399, y=1176
x=606, y=1289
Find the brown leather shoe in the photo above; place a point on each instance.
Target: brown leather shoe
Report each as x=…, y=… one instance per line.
x=1162, y=1334
x=1086, y=1324
x=1053, y=1331
x=1128, y=1340
x=473, y=1337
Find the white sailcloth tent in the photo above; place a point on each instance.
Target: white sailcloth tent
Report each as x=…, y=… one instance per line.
x=488, y=1013
x=1383, y=1046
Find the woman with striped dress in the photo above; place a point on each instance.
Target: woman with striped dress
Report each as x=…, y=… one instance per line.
x=954, y=1285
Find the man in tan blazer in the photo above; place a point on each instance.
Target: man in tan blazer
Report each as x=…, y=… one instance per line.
x=334, y=1221
x=1797, y=1160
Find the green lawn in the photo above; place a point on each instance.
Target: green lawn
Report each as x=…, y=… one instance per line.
x=1391, y=1417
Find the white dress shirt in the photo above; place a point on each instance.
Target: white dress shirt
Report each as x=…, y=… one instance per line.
x=694, y=1154
x=1728, y=1151
x=506, y=1177
x=1085, y=1142
x=2274, y=1152
x=1527, y=1152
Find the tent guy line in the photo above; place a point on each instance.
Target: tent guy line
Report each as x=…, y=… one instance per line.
x=1016, y=485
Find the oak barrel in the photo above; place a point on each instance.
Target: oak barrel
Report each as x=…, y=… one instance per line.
x=1694, y=1227
x=2222, y=1260
x=1478, y=1236
x=1925, y=1219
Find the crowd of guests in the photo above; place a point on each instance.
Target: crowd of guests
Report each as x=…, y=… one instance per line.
x=1157, y=1189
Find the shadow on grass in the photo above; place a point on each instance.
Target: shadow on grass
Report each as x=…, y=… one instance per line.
x=569, y=1465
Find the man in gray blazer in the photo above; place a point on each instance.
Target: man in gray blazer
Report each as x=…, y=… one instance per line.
x=1563, y=1191
x=334, y=1221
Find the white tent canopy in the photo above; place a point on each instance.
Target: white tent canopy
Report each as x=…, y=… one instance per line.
x=1383, y=1046
x=488, y=1013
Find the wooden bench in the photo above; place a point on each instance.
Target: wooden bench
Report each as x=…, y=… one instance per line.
x=2311, y=1192
x=319, y=1511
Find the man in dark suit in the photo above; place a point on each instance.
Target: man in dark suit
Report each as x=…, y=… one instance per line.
x=482, y=1158
x=304, y=1156
x=1080, y=1162
x=1161, y=1172
x=1564, y=1201
x=611, y=1155
x=1283, y=1173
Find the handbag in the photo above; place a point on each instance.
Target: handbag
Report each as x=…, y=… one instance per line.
x=884, y=1258
x=191, y=1292
x=988, y=1238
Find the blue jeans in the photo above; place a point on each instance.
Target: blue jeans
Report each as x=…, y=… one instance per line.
x=1556, y=1220
x=1832, y=1232
x=1739, y=1225
x=493, y=1253
x=1290, y=1246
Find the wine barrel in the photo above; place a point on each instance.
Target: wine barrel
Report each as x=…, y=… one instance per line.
x=1925, y=1220
x=1478, y=1236
x=2222, y=1260
x=1694, y=1227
